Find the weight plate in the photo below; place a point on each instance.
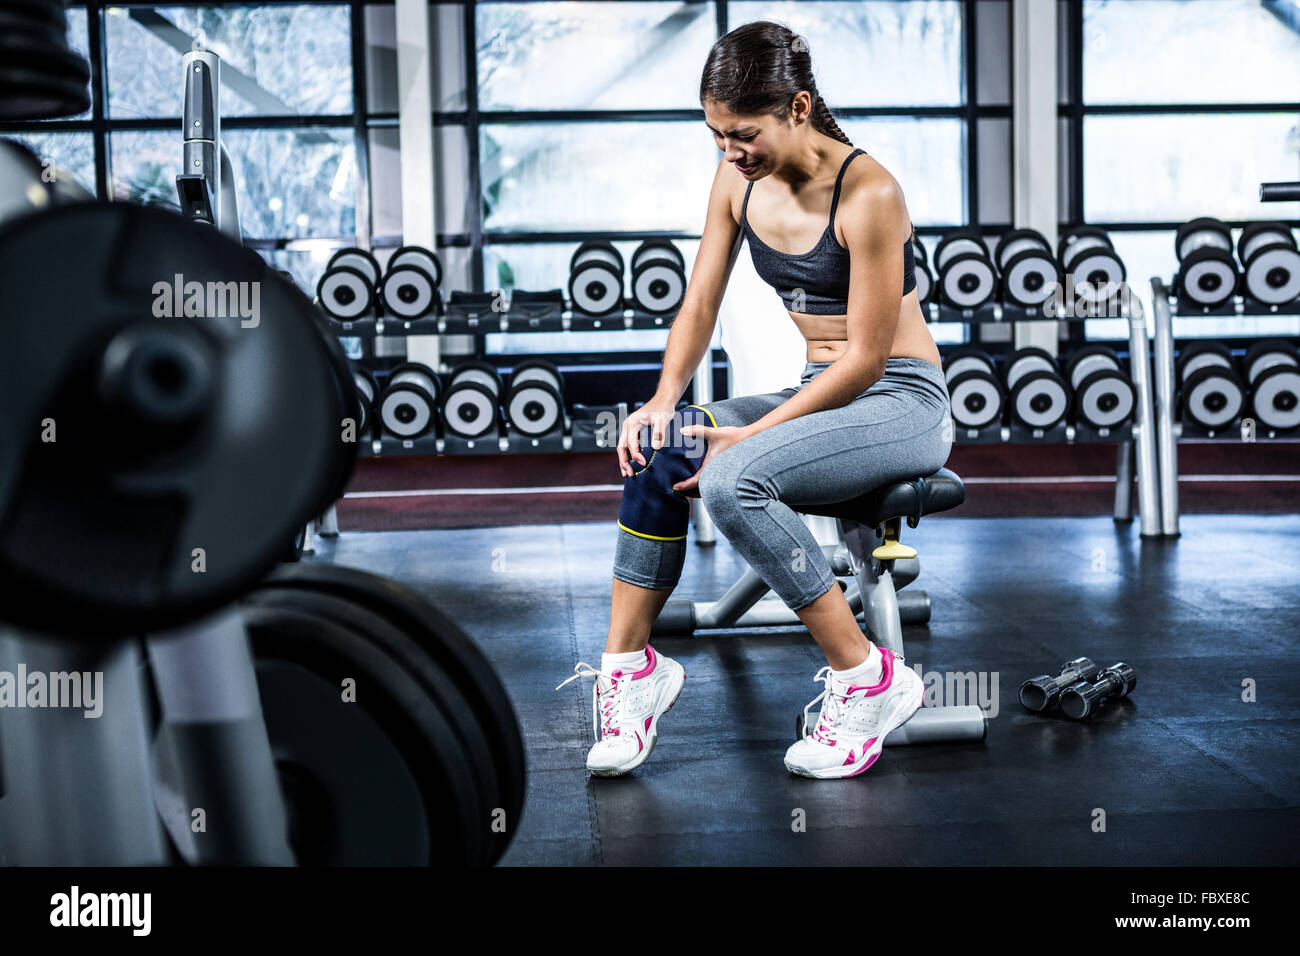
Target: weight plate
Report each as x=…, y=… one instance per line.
x=967, y=281
x=1023, y=361
x=366, y=392
x=380, y=780
x=1195, y=356
x=1207, y=276
x=419, y=374
x=421, y=258
x=658, y=286
x=597, y=250
x=359, y=259
x=959, y=243
x=1075, y=240
x=1272, y=275
x=537, y=370
x=596, y=288
x=1030, y=277
x=924, y=283
x=1098, y=275
x=102, y=531
x=407, y=411
x=1275, y=397
x=345, y=294
x=534, y=409
x=1040, y=399
x=41, y=80
x=409, y=292
x=967, y=359
x=1105, y=398
x=976, y=399
x=1202, y=233
x=1257, y=235
x=483, y=373
x=1212, y=396
x=1266, y=354
x=470, y=410
x=656, y=250
x=440, y=639
x=1089, y=359
x=1017, y=241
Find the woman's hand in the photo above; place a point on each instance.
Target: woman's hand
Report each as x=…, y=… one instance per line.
x=656, y=414
x=719, y=440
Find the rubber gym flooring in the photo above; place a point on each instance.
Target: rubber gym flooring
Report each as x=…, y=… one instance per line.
x=1185, y=771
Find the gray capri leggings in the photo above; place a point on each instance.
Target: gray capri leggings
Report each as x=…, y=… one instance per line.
x=899, y=428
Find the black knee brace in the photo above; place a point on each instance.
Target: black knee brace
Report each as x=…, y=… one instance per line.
x=651, y=509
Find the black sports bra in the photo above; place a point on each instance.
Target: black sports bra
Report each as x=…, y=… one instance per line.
x=822, y=273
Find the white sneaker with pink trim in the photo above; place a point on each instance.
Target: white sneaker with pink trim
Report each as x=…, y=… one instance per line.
x=854, y=721
x=626, y=709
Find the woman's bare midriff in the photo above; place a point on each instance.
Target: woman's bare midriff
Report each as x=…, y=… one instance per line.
x=827, y=334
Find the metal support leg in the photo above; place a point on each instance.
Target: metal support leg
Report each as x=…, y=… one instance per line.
x=77, y=779
x=216, y=755
x=1144, y=430
x=329, y=523
x=1166, y=442
x=880, y=603
x=1124, y=481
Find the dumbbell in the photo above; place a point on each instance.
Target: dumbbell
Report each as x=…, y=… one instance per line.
x=346, y=291
x=1079, y=700
x=1270, y=262
x=408, y=405
x=1040, y=396
x=1029, y=274
x=1210, y=391
x=534, y=403
x=1092, y=270
x=410, y=284
x=1103, y=394
x=1272, y=370
x=1207, y=273
x=40, y=77
x=921, y=270
x=470, y=408
x=973, y=388
x=658, y=276
x=596, y=278
x=366, y=392
x=967, y=279
x=1042, y=692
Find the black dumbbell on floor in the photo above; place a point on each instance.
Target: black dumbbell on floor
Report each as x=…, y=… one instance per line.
x=1044, y=691
x=1082, y=698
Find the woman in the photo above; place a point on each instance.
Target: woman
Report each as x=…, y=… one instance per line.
x=828, y=228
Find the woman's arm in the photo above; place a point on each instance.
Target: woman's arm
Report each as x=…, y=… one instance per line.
x=875, y=227
x=692, y=330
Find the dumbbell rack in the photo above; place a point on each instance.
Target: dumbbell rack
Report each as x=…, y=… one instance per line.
x=452, y=319
x=1167, y=304
x=1139, y=435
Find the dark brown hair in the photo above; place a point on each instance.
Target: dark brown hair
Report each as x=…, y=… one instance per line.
x=758, y=68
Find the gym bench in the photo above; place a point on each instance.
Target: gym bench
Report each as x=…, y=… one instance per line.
x=841, y=528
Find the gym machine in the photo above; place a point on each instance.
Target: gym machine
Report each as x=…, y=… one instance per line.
x=170, y=697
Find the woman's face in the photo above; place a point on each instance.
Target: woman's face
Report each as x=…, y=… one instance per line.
x=751, y=143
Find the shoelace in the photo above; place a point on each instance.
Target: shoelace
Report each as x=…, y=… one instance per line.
x=608, y=724
x=831, y=711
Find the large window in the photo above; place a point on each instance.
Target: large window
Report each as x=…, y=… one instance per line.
x=1176, y=110
x=554, y=122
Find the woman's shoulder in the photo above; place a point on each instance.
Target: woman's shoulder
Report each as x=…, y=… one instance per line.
x=869, y=190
